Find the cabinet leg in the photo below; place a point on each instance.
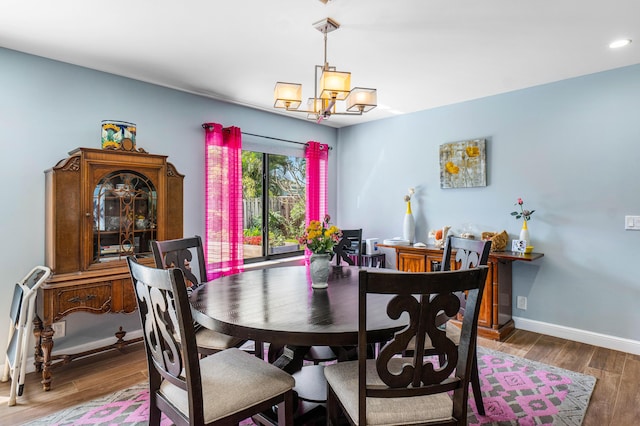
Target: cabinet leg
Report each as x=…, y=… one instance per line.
x=120, y=343
x=47, y=348
x=37, y=353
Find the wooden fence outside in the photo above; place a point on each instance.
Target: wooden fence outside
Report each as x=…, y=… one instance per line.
x=252, y=207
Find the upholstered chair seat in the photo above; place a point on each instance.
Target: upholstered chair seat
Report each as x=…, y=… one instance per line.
x=343, y=379
x=210, y=341
x=231, y=366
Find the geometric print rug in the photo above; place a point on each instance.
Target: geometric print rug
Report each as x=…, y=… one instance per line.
x=515, y=391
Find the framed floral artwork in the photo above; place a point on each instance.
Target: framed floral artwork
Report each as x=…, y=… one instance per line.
x=463, y=164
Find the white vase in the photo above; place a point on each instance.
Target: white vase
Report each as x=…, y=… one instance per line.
x=409, y=226
x=319, y=270
x=524, y=233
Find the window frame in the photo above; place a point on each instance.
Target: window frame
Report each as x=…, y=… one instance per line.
x=266, y=150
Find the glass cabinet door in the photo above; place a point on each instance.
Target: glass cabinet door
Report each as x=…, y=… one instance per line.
x=124, y=216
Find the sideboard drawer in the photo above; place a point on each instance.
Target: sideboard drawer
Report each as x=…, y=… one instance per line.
x=94, y=298
x=412, y=262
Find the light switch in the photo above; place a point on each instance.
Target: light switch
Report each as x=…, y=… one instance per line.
x=632, y=223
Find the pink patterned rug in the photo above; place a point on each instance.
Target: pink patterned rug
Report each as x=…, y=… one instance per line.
x=515, y=391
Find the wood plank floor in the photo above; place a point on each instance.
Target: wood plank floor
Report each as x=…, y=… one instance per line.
x=615, y=400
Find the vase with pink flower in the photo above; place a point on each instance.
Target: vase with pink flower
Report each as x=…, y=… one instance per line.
x=526, y=216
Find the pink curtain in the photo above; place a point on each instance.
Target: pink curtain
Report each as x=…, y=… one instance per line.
x=317, y=156
x=223, y=186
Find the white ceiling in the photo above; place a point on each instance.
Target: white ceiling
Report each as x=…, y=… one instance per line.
x=419, y=54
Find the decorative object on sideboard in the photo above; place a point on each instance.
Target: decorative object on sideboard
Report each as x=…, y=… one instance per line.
x=518, y=246
x=498, y=240
x=524, y=232
x=463, y=164
x=396, y=241
x=409, y=225
x=439, y=236
x=526, y=216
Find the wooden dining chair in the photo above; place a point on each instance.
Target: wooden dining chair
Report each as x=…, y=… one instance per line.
x=468, y=254
x=412, y=390
x=187, y=254
x=220, y=389
x=349, y=247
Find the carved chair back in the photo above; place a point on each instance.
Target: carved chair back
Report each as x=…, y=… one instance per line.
x=422, y=296
x=469, y=254
x=349, y=244
x=169, y=337
x=180, y=253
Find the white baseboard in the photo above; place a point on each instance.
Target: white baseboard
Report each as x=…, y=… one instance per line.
x=583, y=336
x=87, y=346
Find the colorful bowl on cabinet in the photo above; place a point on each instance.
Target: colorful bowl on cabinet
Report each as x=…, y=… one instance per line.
x=117, y=134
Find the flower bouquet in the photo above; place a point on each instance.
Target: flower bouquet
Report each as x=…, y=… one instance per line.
x=320, y=238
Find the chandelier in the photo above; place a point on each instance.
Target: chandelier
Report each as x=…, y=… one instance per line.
x=331, y=86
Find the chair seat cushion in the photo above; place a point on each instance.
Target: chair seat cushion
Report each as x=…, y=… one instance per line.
x=232, y=380
x=343, y=379
x=206, y=338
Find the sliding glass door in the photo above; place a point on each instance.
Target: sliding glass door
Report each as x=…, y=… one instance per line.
x=273, y=195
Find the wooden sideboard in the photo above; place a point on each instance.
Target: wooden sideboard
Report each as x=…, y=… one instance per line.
x=495, y=321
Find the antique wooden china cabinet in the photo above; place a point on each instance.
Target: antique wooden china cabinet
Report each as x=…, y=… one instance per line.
x=102, y=205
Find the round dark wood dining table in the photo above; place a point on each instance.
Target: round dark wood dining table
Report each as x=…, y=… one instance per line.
x=278, y=305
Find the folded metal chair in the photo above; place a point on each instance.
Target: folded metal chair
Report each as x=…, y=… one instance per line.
x=21, y=315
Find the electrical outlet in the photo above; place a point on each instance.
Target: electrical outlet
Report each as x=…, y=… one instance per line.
x=632, y=223
x=522, y=303
x=59, y=328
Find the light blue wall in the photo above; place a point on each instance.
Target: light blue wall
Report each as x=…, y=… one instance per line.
x=570, y=149
x=49, y=108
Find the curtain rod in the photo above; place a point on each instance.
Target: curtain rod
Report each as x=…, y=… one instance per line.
x=275, y=139
x=204, y=126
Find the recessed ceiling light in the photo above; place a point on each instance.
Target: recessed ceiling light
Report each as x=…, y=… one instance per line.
x=619, y=43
